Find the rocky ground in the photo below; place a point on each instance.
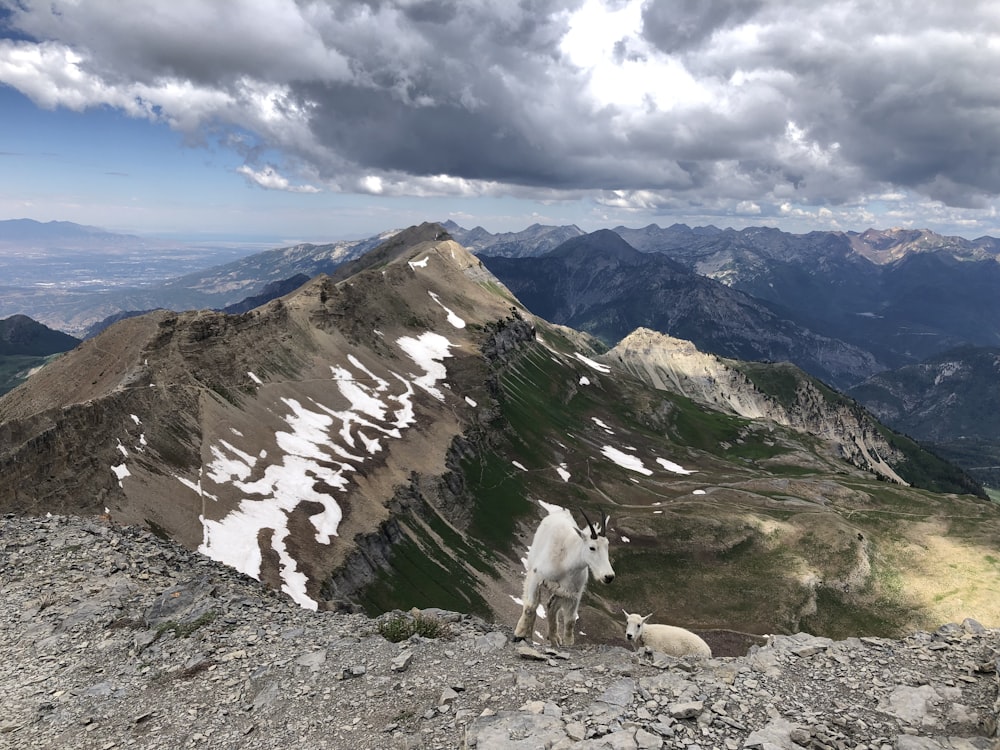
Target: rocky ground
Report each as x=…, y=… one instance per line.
x=114, y=638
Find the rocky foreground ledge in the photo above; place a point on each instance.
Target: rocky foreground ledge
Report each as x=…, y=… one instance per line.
x=113, y=638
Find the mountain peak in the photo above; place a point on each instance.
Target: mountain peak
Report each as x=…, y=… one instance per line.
x=604, y=243
x=22, y=335
x=395, y=247
x=884, y=246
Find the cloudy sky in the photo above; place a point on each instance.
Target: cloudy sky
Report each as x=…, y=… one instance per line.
x=328, y=119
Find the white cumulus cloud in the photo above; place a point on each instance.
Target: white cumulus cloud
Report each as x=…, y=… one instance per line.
x=718, y=108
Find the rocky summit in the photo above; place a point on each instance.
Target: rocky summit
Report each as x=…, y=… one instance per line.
x=115, y=638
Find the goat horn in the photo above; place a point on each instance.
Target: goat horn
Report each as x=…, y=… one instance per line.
x=593, y=533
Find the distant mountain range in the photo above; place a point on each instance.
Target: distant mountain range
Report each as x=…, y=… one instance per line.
x=60, y=233
x=900, y=294
x=600, y=284
x=843, y=306
x=387, y=436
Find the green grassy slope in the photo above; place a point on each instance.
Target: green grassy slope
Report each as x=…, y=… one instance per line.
x=768, y=534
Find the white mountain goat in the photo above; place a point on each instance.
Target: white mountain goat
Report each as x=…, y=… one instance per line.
x=558, y=560
x=667, y=639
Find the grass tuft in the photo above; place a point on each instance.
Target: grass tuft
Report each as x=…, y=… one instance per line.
x=399, y=626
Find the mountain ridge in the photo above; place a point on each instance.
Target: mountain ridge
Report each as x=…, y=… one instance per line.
x=185, y=373
x=28, y=229
x=391, y=435
x=777, y=392
x=900, y=295
x=610, y=295
x=19, y=334
x=949, y=401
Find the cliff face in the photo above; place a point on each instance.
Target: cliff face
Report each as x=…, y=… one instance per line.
x=950, y=401
x=795, y=400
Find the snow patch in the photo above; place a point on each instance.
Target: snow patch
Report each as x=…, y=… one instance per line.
x=671, y=466
x=626, y=461
x=317, y=452
x=452, y=317
x=121, y=471
x=603, y=426
x=592, y=364
x=427, y=350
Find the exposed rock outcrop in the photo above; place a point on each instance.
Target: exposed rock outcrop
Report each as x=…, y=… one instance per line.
x=116, y=638
x=677, y=365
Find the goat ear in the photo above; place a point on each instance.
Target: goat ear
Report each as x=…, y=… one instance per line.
x=625, y=613
x=604, y=523
x=647, y=617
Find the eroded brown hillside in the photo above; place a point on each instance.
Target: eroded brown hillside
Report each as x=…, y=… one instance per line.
x=268, y=440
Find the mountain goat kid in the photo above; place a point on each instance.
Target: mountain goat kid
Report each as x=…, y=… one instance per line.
x=558, y=561
x=667, y=639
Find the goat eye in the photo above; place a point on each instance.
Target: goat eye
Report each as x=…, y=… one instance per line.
x=593, y=549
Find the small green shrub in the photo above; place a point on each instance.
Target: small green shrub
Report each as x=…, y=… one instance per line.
x=399, y=627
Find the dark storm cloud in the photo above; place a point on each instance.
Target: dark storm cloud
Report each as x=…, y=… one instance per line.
x=911, y=108
x=431, y=11
x=442, y=138
x=703, y=101
x=677, y=25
